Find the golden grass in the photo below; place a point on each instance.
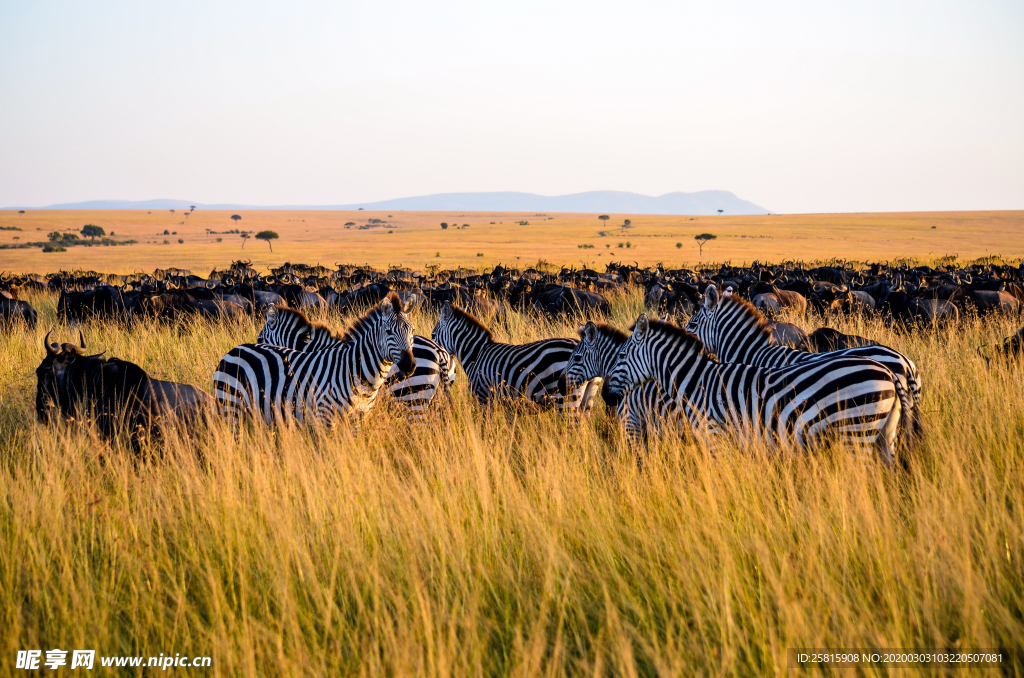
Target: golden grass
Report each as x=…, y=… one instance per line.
x=494, y=544
x=416, y=239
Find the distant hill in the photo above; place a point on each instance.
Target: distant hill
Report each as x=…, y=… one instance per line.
x=619, y=202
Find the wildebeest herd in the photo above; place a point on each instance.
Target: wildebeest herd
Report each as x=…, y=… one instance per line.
x=718, y=364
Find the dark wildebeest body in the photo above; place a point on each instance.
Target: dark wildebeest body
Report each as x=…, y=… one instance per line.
x=13, y=310
x=786, y=334
x=826, y=339
x=117, y=393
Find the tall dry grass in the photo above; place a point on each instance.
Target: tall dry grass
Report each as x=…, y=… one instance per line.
x=490, y=543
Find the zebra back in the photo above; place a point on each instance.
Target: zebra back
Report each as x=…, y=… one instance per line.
x=434, y=366
x=282, y=384
x=498, y=371
x=852, y=399
x=736, y=332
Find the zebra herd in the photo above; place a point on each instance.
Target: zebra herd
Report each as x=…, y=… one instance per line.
x=718, y=378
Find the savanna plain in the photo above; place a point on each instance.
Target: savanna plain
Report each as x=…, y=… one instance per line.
x=494, y=542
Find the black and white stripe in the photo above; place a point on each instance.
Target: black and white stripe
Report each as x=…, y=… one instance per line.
x=508, y=372
x=643, y=409
x=283, y=385
x=853, y=400
x=735, y=331
x=434, y=366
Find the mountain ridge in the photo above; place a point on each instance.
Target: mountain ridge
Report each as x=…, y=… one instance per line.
x=621, y=202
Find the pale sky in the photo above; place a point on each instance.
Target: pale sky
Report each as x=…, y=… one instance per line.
x=797, y=106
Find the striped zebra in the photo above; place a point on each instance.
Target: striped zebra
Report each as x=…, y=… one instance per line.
x=507, y=372
x=853, y=400
x=735, y=331
x=643, y=409
x=283, y=385
x=434, y=366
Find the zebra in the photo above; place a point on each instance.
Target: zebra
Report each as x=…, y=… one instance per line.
x=642, y=409
x=852, y=399
x=506, y=372
x=735, y=331
x=434, y=366
x=283, y=384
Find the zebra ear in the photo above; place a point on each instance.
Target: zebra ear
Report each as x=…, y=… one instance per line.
x=641, y=327
x=711, y=297
x=590, y=331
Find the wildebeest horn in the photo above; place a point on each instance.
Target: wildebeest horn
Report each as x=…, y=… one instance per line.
x=51, y=349
x=81, y=339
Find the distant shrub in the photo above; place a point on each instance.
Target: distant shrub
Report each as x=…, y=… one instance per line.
x=167, y=242
x=679, y=245
x=53, y=247
x=166, y=232
x=479, y=254
x=444, y=226
x=219, y=239
x=181, y=241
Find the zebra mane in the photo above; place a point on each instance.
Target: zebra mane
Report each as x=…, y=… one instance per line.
x=679, y=333
x=615, y=333
x=364, y=322
x=284, y=310
x=471, y=320
x=747, y=312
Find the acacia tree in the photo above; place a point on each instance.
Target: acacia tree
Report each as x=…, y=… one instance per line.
x=20, y=212
x=702, y=239
x=268, y=236
x=91, y=231
x=244, y=236
x=720, y=211
x=236, y=218
x=604, y=218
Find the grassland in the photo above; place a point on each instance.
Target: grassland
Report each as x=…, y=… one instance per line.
x=415, y=239
x=489, y=543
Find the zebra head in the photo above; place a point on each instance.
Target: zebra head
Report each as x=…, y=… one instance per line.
x=394, y=338
x=584, y=362
x=282, y=329
x=459, y=333
x=594, y=356
x=634, y=364
x=703, y=320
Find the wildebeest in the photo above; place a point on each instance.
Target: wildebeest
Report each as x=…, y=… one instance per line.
x=1011, y=347
x=826, y=339
x=786, y=334
x=12, y=310
x=118, y=394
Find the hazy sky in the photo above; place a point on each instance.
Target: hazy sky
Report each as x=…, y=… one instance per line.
x=796, y=106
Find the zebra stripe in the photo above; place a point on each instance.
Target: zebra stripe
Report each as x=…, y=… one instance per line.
x=642, y=410
x=499, y=371
x=434, y=365
x=852, y=399
x=283, y=385
x=735, y=331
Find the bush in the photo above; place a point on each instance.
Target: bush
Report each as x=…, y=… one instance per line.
x=679, y=245
x=166, y=232
x=181, y=241
x=53, y=247
x=479, y=254
x=444, y=226
x=219, y=239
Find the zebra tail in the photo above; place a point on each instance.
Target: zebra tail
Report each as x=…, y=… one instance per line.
x=911, y=429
